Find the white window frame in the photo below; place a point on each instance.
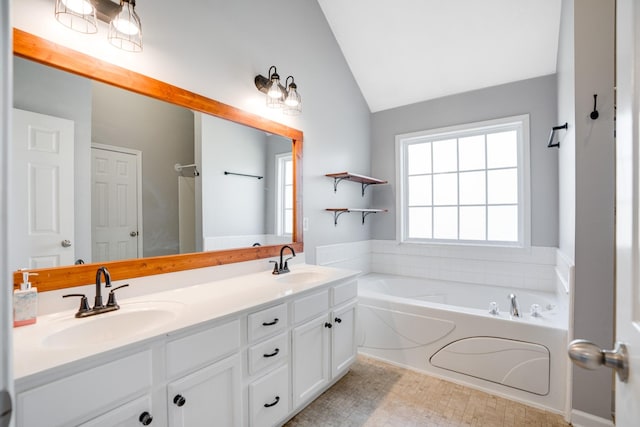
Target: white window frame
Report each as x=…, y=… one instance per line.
x=521, y=123
x=280, y=160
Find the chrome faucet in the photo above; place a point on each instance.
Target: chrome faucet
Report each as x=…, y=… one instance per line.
x=98, y=307
x=283, y=267
x=515, y=308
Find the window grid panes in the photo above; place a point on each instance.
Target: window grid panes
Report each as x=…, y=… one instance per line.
x=464, y=186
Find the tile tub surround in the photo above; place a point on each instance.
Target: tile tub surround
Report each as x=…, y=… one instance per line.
x=375, y=393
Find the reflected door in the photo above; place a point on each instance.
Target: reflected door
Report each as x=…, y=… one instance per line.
x=43, y=216
x=115, y=203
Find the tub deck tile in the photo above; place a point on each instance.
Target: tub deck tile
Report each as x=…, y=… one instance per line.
x=376, y=394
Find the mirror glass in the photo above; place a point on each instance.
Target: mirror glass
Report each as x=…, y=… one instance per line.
x=195, y=182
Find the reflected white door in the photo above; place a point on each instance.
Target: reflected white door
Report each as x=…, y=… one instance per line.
x=116, y=228
x=627, y=210
x=43, y=191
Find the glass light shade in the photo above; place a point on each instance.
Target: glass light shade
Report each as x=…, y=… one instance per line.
x=293, y=102
x=79, y=15
x=125, y=29
x=274, y=94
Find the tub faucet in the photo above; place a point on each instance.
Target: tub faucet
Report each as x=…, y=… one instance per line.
x=283, y=267
x=515, y=308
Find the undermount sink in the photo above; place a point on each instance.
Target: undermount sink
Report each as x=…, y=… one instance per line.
x=132, y=319
x=302, y=278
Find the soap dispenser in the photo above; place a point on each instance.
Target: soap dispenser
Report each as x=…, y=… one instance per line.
x=25, y=302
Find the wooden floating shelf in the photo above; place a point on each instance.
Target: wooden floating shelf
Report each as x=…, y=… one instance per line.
x=348, y=176
x=339, y=211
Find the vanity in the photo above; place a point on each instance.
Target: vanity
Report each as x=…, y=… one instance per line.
x=251, y=350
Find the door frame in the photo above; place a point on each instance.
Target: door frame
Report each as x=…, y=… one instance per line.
x=138, y=156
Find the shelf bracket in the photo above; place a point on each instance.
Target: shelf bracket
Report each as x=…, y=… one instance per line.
x=364, y=187
x=365, y=214
x=336, y=215
x=336, y=181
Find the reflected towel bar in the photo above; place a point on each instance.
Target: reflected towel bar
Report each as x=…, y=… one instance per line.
x=243, y=174
x=553, y=131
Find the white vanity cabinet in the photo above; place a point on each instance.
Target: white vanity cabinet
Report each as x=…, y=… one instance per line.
x=210, y=396
x=208, y=391
x=324, y=347
x=255, y=366
x=80, y=396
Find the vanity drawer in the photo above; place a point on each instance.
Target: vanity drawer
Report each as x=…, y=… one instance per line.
x=345, y=292
x=201, y=348
x=310, y=306
x=268, y=353
x=81, y=396
x=267, y=322
x=269, y=398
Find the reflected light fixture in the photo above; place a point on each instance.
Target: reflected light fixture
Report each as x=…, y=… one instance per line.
x=79, y=15
x=278, y=96
x=125, y=28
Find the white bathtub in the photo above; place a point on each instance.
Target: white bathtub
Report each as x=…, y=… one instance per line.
x=445, y=329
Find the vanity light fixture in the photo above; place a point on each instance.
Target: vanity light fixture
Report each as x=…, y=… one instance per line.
x=79, y=15
x=125, y=28
x=278, y=96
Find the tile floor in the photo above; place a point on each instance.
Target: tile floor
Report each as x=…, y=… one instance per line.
x=376, y=394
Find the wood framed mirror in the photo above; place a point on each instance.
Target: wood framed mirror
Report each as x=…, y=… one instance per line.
x=40, y=50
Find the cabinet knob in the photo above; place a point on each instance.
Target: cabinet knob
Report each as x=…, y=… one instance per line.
x=179, y=400
x=328, y=325
x=275, y=402
x=338, y=320
x=145, y=418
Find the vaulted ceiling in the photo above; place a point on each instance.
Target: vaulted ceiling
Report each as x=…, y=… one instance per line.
x=406, y=51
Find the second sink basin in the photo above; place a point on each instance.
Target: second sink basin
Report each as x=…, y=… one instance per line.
x=132, y=319
x=302, y=277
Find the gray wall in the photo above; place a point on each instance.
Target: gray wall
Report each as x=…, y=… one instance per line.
x=56, y=93
x=537, y=97
x=594, y=198
x=165, y=135
x=232, y=205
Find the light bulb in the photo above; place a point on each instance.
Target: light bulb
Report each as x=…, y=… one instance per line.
x=125, y=22
x=81, y=7
x=274, y=90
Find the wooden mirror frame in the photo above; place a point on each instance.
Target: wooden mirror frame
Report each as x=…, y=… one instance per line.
x=29, y=46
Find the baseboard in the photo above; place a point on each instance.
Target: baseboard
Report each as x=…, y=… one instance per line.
x=582, y=419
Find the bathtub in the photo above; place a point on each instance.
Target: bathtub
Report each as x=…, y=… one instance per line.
x=446, y=329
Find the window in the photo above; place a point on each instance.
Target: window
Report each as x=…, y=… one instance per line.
x=284, y=202
x=466, y=184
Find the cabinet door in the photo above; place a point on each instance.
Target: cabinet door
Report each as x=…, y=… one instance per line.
x=310, y=358
x=343, y=338
x=134, y=414
x=208, y=397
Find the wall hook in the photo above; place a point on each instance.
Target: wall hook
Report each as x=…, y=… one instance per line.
x=594, y=114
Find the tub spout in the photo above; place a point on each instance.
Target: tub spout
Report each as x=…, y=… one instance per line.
x=515, y=308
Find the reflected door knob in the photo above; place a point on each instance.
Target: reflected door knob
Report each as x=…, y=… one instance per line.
x=66, y=243
x=589, y=356
x=133, y=234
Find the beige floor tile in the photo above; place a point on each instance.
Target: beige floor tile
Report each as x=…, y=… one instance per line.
x=376, y=394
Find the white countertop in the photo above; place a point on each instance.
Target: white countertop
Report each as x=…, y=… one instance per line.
x=180, y=308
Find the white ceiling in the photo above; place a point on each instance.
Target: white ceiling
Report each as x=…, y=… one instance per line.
x=406, y=51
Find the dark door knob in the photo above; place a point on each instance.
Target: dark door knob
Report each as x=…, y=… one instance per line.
x=338, y=320
x=328, y=325
x=145, y=418
x=179, y=400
